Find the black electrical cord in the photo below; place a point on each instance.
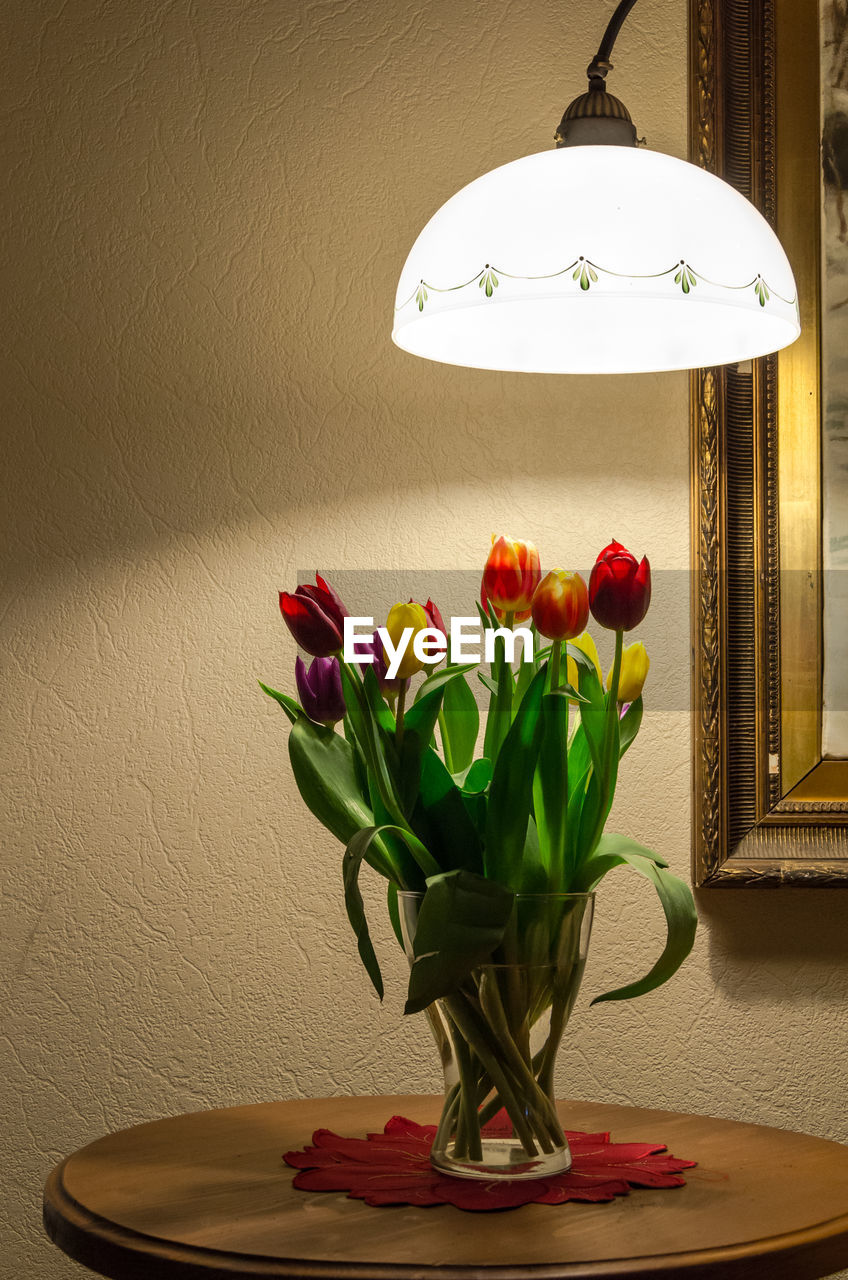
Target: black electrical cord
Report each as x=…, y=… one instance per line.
x=597, y=118
x=600, y=64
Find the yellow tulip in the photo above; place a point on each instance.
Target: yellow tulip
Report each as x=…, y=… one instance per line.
x=400, y=617
x=634, y=670
x=586, y=644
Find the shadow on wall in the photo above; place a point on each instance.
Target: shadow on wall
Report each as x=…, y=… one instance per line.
x=195, y=345
x=791, y=932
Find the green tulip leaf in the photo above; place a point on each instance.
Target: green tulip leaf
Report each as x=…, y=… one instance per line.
x=461, y=922
x=460, y=723
x=568, y=691
x=526, y=672
x=611, y=851
x=380, y=710
x=374, y=742
x=359, y=850
x=292, y=709
x=324, y=767
x=488, y=682
x=511, y=790
x=550, y=790
x=418, y=726
x=677, y=903
x=356, y=851
x=477, y=777
x=499, y=715
x=579, y=759
x=442, y=820
x=595, y=788
x=444, y=677
x=535, y=873
x=592, y=704
x=394, y=912
x=325, y=773
x=629, y=725
x=488, y=617
x=591, y=817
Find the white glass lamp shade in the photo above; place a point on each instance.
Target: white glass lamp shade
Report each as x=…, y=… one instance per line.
x=596, y=259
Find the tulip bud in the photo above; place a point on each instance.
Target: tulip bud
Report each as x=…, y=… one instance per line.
x=315, y=617
x=435, y=622
x=586, y=644
x=401, y=617
x=320, y=689
x=434, y=617
x=634, y=670
x=511, y=575
x=561, y=605
x=619, y=588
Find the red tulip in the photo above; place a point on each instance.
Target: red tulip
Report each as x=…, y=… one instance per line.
x=561, y=605
x=434, y=617
x=521, y=615
x=619, y=588
x=315, y=617
x=511, y=575
x=435, y=622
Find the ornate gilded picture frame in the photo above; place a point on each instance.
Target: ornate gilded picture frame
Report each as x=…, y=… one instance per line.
x=768, y=809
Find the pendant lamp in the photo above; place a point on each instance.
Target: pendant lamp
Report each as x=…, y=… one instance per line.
x=599, y=256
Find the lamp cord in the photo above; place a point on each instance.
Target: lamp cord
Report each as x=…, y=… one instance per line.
x=600, y=64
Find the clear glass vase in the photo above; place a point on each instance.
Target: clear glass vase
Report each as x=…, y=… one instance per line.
x=498, y=1036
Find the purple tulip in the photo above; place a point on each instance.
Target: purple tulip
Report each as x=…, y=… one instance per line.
x=320, y=689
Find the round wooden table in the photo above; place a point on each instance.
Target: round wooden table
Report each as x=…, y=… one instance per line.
x=207, y=1195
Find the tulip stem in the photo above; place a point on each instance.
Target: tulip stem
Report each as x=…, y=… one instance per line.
x=556, y=657
x=616, y=667
x=500, y=707
x=401, y=707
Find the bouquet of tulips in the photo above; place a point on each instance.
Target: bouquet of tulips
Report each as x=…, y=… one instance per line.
x=404, y=790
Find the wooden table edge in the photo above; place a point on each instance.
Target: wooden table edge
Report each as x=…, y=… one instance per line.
x=115, y=1251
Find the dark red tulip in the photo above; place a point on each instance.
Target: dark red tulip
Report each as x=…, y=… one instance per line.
x=434, y=617
x=619, y=588
x=320, y=689
x=315, y=617
x=434, y=621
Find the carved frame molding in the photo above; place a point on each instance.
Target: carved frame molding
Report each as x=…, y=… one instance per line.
x=746, y=832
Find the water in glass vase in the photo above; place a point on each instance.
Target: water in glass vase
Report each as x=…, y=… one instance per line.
x=498, y=1034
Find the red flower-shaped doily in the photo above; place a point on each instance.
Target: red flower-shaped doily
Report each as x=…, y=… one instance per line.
x=394, y=1167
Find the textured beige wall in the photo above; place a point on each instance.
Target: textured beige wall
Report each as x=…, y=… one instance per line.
x=206, y=209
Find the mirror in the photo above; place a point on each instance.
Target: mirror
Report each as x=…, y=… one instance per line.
x=770, y=789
